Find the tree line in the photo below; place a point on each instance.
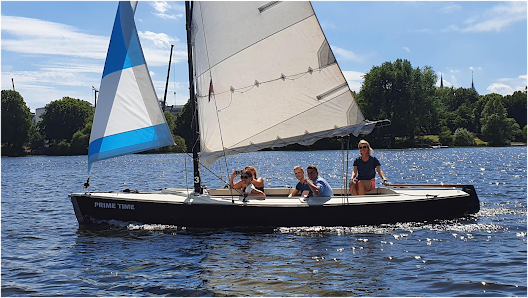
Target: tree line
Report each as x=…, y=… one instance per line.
x=64, y=129
x=420, y=114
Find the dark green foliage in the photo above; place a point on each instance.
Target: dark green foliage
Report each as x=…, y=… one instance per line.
x=463, y=137
x=497, y=129
x=516, y=107
x=445, y=137
x=402, y=94
x=81, y=139
x=35, y=138
x=62, y=148
x=64, y=117
x=183, y=126
x=456, y=108
x=16, y=123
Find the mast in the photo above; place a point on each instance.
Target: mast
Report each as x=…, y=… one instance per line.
x=194, y=123
x=167, y=82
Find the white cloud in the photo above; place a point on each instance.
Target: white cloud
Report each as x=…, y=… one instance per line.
x=475, y=68
x=500, y=88
x=454, y=70
x=34, y=36
x=343, y=54
x=507, y=86
x=328, y=25
x=162, y=7
x=495, y=19
x=407, y=49
x=158, y=39
x=354, y=79
x=454, y=81
x=451, y=7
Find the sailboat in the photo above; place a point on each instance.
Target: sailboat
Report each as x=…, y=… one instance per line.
x=269, y=65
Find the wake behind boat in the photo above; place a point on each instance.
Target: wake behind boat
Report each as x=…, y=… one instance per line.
x=272, y=70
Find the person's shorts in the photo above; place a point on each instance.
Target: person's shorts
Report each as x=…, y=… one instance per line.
x=372, y=183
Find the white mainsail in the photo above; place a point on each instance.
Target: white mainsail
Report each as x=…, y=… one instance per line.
x=265, y=76
x=128, y=118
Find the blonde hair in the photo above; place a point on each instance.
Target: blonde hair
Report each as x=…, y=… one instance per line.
x=250, y=168
x=298, y=167
x=368, y=145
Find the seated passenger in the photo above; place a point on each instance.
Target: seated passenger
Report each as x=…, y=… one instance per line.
x=302, y=187
x=364, y=171
x=247, y=185
x=318, y=185
x=258, y=182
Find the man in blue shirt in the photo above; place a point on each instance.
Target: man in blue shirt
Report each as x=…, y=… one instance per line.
x=302, y=187
x=318, y=185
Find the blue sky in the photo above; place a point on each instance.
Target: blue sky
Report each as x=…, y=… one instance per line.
x=57, y=49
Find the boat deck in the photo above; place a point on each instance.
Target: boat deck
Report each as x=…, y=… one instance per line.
x=279, y=197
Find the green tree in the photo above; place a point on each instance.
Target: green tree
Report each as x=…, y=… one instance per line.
x=64, y=117
x=446, y=136
x=402, y=94
x=515, y=104
x=16, y=123
x=183, y=125
x=463, y=137
x=497, y=129
x=81, y=139
x=35, y=139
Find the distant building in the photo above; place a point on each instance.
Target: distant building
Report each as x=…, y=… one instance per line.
x=38, y=113
x=174, y=109
x=441, y=81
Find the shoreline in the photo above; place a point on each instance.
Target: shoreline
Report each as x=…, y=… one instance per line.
x=513, y=144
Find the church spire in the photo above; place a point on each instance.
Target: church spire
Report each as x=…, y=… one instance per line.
x=472, y=85
x=441, y=81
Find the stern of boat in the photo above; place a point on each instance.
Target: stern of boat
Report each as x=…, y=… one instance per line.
x=473, y=200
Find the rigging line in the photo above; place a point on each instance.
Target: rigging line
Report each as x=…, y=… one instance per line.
x=225, y=107
x=256, y=42
x=322, y=103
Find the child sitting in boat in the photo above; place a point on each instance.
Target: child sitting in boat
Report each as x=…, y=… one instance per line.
x=364, y=171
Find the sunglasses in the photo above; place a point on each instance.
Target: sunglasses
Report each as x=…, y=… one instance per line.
x=244, y=177
x=363, y=147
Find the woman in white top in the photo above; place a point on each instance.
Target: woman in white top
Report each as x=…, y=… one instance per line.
x=247, y=185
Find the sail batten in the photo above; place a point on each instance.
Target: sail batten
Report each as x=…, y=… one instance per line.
x=128, y=118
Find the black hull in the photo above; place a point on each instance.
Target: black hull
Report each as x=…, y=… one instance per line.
x=216, y=216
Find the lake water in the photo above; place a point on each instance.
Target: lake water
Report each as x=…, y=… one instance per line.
x=45, y=253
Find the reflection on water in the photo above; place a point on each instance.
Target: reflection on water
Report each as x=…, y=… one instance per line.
x=44, y=253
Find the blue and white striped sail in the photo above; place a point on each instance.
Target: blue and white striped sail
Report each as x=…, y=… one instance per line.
x=128, y=118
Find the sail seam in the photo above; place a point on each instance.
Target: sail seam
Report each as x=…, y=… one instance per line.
x=251, y=45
